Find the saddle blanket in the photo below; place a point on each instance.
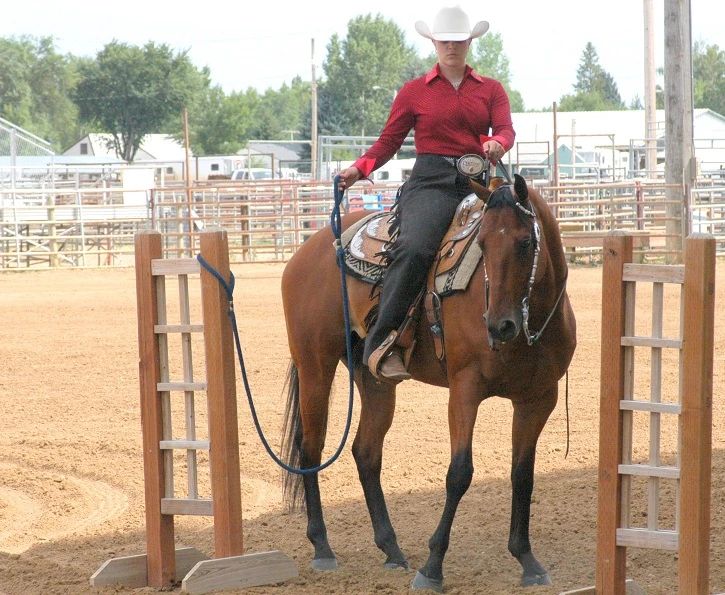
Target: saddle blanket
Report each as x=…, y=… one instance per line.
x=457, y=258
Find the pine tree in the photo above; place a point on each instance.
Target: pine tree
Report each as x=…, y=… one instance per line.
x=595, y=88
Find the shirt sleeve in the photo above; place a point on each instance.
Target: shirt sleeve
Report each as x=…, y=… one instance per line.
x=400, y=121
x=502, y=128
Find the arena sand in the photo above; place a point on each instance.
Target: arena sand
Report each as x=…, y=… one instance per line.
x=71, y=489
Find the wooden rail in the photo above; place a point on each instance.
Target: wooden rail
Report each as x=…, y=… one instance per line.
x=616, y=531
x=163, y=565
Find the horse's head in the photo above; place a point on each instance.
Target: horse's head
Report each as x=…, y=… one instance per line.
x=509, y=239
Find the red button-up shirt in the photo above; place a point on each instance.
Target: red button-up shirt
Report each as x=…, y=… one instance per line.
x=447, y=121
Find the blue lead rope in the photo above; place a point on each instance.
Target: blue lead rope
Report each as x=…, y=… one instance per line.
x=336, y=224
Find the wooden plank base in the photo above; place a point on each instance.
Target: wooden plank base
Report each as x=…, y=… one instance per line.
x=239, y=572
x=130, y=571
x=631, y=588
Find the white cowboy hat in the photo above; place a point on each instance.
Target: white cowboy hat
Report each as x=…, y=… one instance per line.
x=452, y=24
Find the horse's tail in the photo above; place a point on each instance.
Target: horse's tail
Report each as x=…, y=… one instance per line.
x=292, y=440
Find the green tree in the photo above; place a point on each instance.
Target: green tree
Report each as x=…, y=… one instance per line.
x=587, y=74
x=418, y=66
x=281, y=114
x=363, y=72
x=708, y=70
x=16, y=58
x=595, y=89
x=220, y=124
x=131, y=91
x=488, y=58
x=583, y=102
x=330, y=118
x=35, y=87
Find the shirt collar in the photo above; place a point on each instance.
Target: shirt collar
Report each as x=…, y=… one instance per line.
x=436, y=72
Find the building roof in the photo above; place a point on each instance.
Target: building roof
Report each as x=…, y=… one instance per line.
x=163, y=147
x=623, y=126
x=283, y=151
x=158, y=147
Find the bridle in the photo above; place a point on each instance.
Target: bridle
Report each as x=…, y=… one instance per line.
x=531, y=338
x=476, y=167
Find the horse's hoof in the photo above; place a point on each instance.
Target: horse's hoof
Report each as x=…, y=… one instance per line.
x=536, y=579
x=324, y=564
x=391, y=565
x=423, y=582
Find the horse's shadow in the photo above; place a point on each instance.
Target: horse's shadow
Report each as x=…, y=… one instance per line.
x=563, y=528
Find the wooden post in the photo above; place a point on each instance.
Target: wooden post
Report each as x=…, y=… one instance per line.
x=611, y=559
x=696, y=416
x=222, y=399
x=159, y=527
x=679, y=150
x=555, y=173
x=52, y=244
x=314, y=170
x=187, y=183
x=650, y=92
x=161, y=566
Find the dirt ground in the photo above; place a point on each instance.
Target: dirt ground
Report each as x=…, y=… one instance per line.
x=71, y=489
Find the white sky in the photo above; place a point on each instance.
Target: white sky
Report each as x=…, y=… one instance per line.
x=253, y=43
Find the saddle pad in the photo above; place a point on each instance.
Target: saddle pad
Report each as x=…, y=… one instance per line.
x=367, y=237
x=458, y=253
x=361, y=257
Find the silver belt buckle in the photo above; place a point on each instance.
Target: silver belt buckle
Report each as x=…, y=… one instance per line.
x=472, y=165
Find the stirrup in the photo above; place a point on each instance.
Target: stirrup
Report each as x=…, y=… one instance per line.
x=379, y=354
x=392, y=368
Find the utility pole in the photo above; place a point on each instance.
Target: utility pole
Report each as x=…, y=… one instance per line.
x=555, y=171
x=650, y=94
x=679, y=149
x=187, y=181
x=313, y=131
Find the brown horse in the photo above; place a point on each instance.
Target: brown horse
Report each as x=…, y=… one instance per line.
x=489, y=351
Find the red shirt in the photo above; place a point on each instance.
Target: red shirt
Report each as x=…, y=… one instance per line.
x=447, y=121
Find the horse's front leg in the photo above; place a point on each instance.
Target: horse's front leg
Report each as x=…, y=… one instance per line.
x=462, y=410
x=376, y=417
x=529, y=418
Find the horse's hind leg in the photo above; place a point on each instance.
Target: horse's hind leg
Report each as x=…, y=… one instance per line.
x=376, y=417
x=314, y=398
x=528, y=421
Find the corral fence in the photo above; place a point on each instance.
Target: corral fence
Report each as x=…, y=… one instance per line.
x=587, y=211
x=93, y=223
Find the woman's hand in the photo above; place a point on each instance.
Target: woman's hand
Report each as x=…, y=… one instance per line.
x=493, y=150
x=348, y=177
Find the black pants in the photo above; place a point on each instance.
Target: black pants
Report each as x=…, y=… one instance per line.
x=426, y=207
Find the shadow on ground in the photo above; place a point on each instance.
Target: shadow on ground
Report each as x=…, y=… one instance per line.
x=563, y=529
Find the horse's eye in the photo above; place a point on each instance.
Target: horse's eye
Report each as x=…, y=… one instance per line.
x=524, y=246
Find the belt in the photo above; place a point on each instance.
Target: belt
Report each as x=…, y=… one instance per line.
x=471, y=165
x=452, y=160
x=484, y=172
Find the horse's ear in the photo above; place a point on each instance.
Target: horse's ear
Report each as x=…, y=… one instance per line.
x=480, y=190
x=522, y=191
x=495, y=183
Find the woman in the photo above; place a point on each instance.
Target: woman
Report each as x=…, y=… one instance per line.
x=451, y=109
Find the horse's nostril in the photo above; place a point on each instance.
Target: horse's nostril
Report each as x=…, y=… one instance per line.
x=507, y=330
x=502, y=331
